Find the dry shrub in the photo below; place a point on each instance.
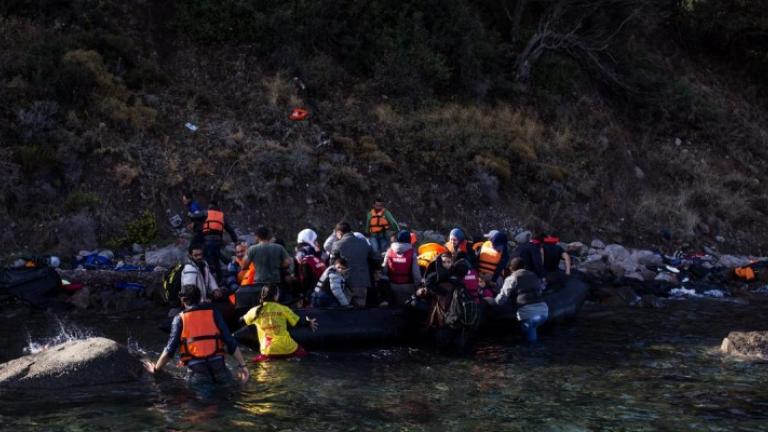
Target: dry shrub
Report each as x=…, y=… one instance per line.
x=498, y=166
x=278, y=89
x=200, y=168
x=125, y=174
x=386, y=114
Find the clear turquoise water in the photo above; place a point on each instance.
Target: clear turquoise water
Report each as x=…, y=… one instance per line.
x=612, y=370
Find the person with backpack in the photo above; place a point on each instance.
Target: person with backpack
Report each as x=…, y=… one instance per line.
x=330, y=290
x=197, y=273
x=524, y=287
x=203, y=337
x=402, y=268
x=377, y=222
x=272, y=319
x=454, y=315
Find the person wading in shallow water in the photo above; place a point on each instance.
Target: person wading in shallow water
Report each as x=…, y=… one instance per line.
x=204, y=339
x=272, y=320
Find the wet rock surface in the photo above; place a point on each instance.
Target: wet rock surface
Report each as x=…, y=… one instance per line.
x=90, y=361
x=753, y=345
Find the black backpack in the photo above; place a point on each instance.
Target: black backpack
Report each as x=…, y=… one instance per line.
x=172, y=285
x=462, y=312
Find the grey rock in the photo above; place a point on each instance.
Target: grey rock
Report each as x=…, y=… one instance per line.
x=617, y=254
x=720, y=239
x=617, y=270
x=82, y=298
x=106, y=253
x=165, y=257
x=594, y=264
x=732, y=261
x=651, y=301
x=636, y=276
x=77, y=232
x=647, y=258
x=431, y=237
x=752, y=345
x=667, y=277
x=523, y=237
x=576, y=248
x=639, y=173
x=137, y=248
x=93, y=361
x=597, y=244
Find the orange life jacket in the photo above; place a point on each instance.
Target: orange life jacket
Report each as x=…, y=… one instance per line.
x=245, y=276
x=299, y=114
x=462, y=247
x=214, y=223
x=200, y=337
x=746, y=273
x=489, y=258
x=379, y=223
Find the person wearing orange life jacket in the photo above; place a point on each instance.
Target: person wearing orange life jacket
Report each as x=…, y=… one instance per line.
x=203, y=339
x=493, y=257
x=402, y=268
x=213, y=226
x=460, y=248
x=378, y=221
x=237, y=275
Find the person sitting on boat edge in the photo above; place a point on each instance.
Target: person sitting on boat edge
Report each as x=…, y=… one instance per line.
x=460, y=247
x=272, y=319
x=331, y=290
x=493, y=257
x=402, y=269
x=523, y=286
x=204, y=339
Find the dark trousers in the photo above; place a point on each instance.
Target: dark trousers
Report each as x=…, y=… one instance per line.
x=212, y=254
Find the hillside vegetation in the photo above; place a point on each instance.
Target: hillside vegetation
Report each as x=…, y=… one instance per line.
x=608, y=118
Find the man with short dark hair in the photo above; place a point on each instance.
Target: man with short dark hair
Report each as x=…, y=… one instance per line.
x=204, y=339
x=197, y=273
x=359, y=256
x=270, y=259
x=213, y=227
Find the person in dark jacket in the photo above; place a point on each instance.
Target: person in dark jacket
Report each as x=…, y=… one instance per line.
x=204, y=343
x=524, y=288
x=194, y=213
x=532, y=256
x=552, y=253
x=214, y=223
x=359, y=256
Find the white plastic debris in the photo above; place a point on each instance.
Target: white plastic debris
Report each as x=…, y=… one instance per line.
x=683, y=292
x=191, y=126
x=714, y=293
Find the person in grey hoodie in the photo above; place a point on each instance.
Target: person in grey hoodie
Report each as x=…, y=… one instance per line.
x=402, y=268
x=523, y=287
x=359, y=256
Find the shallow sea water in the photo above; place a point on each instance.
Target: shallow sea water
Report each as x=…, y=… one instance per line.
x=624, y=369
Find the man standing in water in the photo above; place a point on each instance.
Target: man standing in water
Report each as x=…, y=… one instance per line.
x=204, y=339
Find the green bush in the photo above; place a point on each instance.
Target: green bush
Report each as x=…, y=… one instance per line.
x=141, y=230
x=79, y=200
x=35, y=158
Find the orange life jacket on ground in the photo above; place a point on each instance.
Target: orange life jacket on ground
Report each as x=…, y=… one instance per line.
x=379, y=223
x=214, y=223
x=746, y=273
x=489, y=258
x=200, y=337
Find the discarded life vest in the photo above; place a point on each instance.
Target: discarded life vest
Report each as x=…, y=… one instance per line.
x=551, y=240
x=214, y=223
x=746, y=273
x=299, y=114
x=379, y=223
x=200, y=337
x=489, y=258
x=399, y=267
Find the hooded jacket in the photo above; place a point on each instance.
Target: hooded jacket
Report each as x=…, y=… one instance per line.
x=401, y=248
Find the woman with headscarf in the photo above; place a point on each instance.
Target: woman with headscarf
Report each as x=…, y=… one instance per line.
x=309, y=264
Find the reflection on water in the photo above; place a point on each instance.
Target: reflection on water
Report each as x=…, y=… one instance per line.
x=653, y=370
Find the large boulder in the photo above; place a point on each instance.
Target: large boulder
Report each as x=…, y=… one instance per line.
x=753, y=345
x=91, y=361
x=732, y=261
x=166, y=257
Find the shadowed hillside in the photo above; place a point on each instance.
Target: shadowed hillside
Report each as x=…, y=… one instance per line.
x=609, y=118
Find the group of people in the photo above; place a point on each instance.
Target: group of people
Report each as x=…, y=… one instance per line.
x=380, y=268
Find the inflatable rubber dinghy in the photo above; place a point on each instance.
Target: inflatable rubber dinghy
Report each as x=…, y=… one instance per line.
x=347, y=327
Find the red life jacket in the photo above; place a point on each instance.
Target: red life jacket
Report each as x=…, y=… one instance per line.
x=472, y=284
x=315, y=264
x=399, y=267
